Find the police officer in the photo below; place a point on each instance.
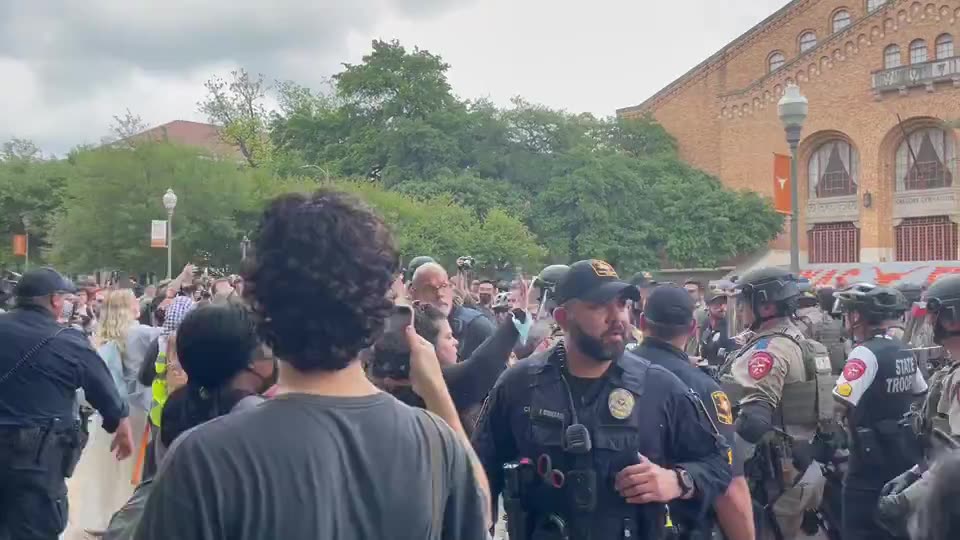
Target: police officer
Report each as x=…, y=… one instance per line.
x=713, y=336
x=667, y=323
x=829, y=330
x=939, y=418
x=879, y=382
x=781, y=383
x=41, y=367
x=587, y=441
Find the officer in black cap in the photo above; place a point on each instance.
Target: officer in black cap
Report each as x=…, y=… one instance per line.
x=42, y=365
x=587, y=441
x=667, y=323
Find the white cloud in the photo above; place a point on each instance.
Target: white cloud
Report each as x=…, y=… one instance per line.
x=69, y=67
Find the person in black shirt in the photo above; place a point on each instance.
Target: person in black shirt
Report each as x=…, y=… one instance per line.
x=714, y=335
x=879, y=383
x=667, y=323
x=41, y=367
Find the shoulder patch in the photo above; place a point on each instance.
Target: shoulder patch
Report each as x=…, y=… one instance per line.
x=760, y=365
x=854, y=369
x=724, y=410
x=761, y=344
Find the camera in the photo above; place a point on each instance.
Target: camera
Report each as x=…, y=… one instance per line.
x=466, y=262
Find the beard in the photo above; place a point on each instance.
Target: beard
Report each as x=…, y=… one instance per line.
x=485, y=299
x=595, y=348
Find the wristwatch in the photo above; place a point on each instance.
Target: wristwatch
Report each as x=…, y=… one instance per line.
x=685, y=481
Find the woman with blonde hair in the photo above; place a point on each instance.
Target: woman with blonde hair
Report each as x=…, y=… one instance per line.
x=101, y=484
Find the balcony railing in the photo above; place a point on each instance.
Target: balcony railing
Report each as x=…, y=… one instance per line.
x=917, y=74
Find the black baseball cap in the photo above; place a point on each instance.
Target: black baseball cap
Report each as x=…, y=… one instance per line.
x=669, y=304
x=43, y=282
x=593, y=281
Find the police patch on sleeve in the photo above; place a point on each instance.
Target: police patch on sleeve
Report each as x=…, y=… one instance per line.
x=854, y=369
x=845, y=390
x=760, y=365
x=724, y=410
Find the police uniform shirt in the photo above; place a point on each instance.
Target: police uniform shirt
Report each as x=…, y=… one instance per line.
x=770, y=361
x=44, y=388
x=635, y=407
x=863, y=369
x=949, y=405
x=879, y=381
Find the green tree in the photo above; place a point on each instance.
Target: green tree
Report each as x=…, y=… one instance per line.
x=239, y=107
x=33, y=187
x=113, y=193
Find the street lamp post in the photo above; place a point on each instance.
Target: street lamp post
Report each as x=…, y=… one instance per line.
x=793, y=108
x=26, y=237
x=169, y=202
x=244, y=244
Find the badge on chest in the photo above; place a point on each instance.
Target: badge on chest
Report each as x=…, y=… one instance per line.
x=621, y=403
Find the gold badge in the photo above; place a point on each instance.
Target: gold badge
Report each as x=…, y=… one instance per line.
x=729, y=456
x=724, y=410
x=845, y=390
x=621, y=403
x=603, y=269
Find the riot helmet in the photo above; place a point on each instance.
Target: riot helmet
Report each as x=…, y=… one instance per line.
x=911, y=291
x=769, y=285
x=546, y=281
x=415, y=263
x=874, y=304
x=943, y=305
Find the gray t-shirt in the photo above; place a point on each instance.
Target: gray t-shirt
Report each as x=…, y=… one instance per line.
x=306, y=467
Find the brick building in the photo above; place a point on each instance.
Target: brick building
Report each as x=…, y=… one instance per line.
x=872, y=190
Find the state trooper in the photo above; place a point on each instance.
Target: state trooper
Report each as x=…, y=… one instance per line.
x=42, y=365
x=587, y=441
x=937, y=422
x=879, y=383
x=780, y=381
x=829, y=330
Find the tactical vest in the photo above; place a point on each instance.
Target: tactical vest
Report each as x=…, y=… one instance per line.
x=931, y=419
x=831, y=333
x=806, y=403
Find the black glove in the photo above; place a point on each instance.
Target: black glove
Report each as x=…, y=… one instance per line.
x=892, y=514
x=900, y=483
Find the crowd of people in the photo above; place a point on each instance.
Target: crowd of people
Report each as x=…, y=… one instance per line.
x=327, y=392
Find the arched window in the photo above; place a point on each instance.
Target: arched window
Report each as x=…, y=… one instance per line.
x=841, y=20
x=918, y=51
x=925, y=160
x=944, y=46
x=891, y=57
x=775, y=61
x=873, y=5
x=808, y=40
x=833, y=170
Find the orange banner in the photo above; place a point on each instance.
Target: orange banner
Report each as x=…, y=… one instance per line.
x=19, y=245
x=781, y=183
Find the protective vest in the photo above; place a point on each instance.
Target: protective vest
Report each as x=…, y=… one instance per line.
x=159, y=386
x=831, y=333
x=806, y=403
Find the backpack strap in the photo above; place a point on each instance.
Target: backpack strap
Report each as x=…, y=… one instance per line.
x=23, y=359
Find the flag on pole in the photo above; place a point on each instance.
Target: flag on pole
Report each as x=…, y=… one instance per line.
x=158, y=233
x=19, y=245
x=781, y=183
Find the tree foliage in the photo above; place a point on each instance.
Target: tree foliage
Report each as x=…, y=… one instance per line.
x=238, y=106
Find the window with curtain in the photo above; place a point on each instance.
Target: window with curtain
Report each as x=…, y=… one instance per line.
x=833, y=170
x=891, y=57
x=776, y=61
x=944, y=47
x=925, y=160
x=841, y=20
x=808, y=40
x=918, y=51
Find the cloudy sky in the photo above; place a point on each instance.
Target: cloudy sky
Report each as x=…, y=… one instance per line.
x=68, y=66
